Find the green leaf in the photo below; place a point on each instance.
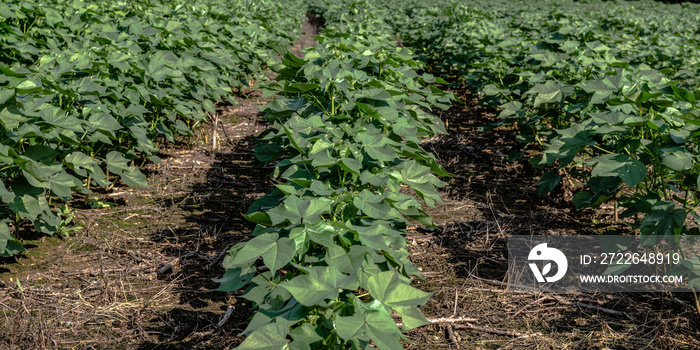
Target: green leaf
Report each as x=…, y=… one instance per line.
x=375, y=206
x=297, y=88
x=295, y=209
x=570, y=142
x=548, y=182
x=511, y=108
x=80, y=163
x=235, y=278
x=303, y=336
x=269, y=337
x=411, y=317
x=319, y=285
x=321, y=233
x=259, y=217
x=288, y=315
x=629, y=170
x=116, y=163
x=391, y=290
x=276, y=252
x=678, y=161
x=262, y=289
x=371, y=321
x=664, y=220
x=29, y=206
x=9, y=246
x=419, y=178
x=550, y=92
x=105, y=123
x=41, y=154
x=6, y=95
x=133, y=177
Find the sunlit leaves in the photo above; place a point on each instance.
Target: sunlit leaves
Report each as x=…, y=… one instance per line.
x=88, y=88
x=346, y=135
x=614, y=113
x=319, y=285
x=390, y=289
x=549, y=92
x=268, y=337
x=275, y=251
x=371, y=321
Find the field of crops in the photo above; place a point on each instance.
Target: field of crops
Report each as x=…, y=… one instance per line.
x=349, y=191
x=88, y=89
x=607, y=95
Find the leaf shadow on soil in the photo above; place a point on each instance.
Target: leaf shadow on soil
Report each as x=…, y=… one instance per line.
x=212, y=207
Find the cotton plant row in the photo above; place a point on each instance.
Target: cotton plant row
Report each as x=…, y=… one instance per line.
x=328, y=267
x=607, y=92
x=87, y=88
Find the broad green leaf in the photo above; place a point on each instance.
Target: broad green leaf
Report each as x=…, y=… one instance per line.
x=548, y=182
x=629, y=170
x=391, y=290
x=664, y=220
x=41, y=153
x=275, y=251
x=116, y=163
x=105, y=123
x=422, y=181
x=235, y=278
x=6, y=95
x=375, y=206
x=81, y=163
x=270, y=337
x=319, y=285
x=371, y=321
x=549, y=92
x=288, y=315
x=322, y=233
x=678, y=161
x=133, y=177
x=9, y=246
x=29, y=206
x=259, y=217
x=303, y=336
x=295, y=209
x=411, y=317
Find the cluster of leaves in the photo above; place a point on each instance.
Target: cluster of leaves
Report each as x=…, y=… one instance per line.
x=607, y=91
x=89, y=86
x=345, y=137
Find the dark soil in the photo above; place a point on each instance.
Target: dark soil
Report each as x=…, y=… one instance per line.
x=139, y=274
